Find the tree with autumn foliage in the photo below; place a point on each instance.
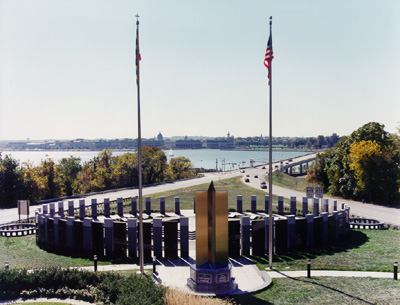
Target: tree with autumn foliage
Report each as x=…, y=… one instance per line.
x=376, y=171
x=364, y=165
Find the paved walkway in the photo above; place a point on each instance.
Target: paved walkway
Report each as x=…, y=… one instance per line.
x=39, y=300
x=174, y=273
x=332, y=273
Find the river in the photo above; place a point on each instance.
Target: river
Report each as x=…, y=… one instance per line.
x=205, y=158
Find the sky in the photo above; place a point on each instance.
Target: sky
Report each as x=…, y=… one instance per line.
x=67, y=68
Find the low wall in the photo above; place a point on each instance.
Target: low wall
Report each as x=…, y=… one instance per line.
x=168, y=237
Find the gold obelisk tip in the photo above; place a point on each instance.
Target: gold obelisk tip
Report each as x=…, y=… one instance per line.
x=211, y=187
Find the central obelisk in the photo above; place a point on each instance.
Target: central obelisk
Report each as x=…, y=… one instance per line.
x=212, y=271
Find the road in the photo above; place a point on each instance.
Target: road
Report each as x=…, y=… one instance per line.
x=386, y=214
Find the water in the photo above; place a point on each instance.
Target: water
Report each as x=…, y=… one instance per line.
x=205, y=158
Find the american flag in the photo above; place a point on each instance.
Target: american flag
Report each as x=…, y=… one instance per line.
x=269, y=55
x=138, y=57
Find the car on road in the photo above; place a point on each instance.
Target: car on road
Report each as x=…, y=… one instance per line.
x=255, y=176
x=246, y=180
x=263, y=167
x=247, y=175
x=242, y=171
x=263, y=185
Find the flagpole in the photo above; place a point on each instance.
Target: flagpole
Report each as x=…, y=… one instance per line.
x=270, y=235
x=141, y=252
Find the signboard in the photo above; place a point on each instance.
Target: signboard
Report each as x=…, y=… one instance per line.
x=310, y=191
x=319, y=192
x=204, y=278
x=223, y=277
x=23, y=208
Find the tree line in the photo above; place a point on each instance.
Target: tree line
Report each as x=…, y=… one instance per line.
x=364, y=166
x=311, y=143
x=70, y=177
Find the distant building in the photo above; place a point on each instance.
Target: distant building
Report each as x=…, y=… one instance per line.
x=188, y=144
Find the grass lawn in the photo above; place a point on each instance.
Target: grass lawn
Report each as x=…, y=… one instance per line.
x=326, y=290
x=364, y=250
x=289, y=182
x=22, y=252
x=234, y=186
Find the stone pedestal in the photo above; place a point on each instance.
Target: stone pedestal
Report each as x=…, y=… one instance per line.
x=211, y=279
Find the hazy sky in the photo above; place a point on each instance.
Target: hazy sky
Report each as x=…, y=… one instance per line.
x=67, y=68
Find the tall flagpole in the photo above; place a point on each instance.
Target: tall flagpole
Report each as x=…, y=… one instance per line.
x=141, y=252
x=270, y=148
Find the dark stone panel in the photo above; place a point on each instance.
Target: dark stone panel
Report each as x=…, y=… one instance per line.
x=78, y=237
x=318, y=231
x=258, y=237
x=234, y=237
x=98, y=239
x=281, y=236
x=50, y=233
x=120, y=244
x=62, y=234
x=301, y=233
x=146, y=242
x=171, y=239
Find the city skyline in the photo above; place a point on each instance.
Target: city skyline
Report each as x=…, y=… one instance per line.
x=68, y=70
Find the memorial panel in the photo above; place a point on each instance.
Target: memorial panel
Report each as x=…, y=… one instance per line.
x=318, y=231
x=281, y=236
x=301, y=233
x=120, y=244
x=170, y=239
x=98, y=239
x=258, y=237
x=78, y=237
x=234, y=237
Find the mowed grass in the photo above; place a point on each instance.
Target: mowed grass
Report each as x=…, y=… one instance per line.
x=363, y=250
x=326, y=290
x=23, y=252
x=287, y=181
x=234, y=186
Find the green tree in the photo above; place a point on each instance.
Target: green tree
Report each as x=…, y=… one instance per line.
x=346, y=166
x=180, y=168
x=69, y=168
x=154, y=164
x=43, y=180
x=376, y=171
x=11, y=183
x=125, y=171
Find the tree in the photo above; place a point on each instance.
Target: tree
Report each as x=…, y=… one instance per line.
x=363, y=165
x=180, y=168
x=69, y=168
x=376, y=171
x=11, y=183
x=154, y=165
x=125, y=171
x=43, y=181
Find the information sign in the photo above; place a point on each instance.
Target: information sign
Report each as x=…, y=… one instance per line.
x=310, y=191
x=319, y=192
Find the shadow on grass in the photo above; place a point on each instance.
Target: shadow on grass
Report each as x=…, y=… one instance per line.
x=250, y=298
x=313, y=282
x=354, y=239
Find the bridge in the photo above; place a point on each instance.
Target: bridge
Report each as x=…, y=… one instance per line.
x=302, y=162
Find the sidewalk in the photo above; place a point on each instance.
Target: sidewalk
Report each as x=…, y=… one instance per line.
x=332, y=273
x=174, y=273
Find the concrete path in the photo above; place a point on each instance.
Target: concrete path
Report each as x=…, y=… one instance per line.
x=332, y=273
x=39, y=300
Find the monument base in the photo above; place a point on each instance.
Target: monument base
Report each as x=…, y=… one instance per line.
x=211, y=279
